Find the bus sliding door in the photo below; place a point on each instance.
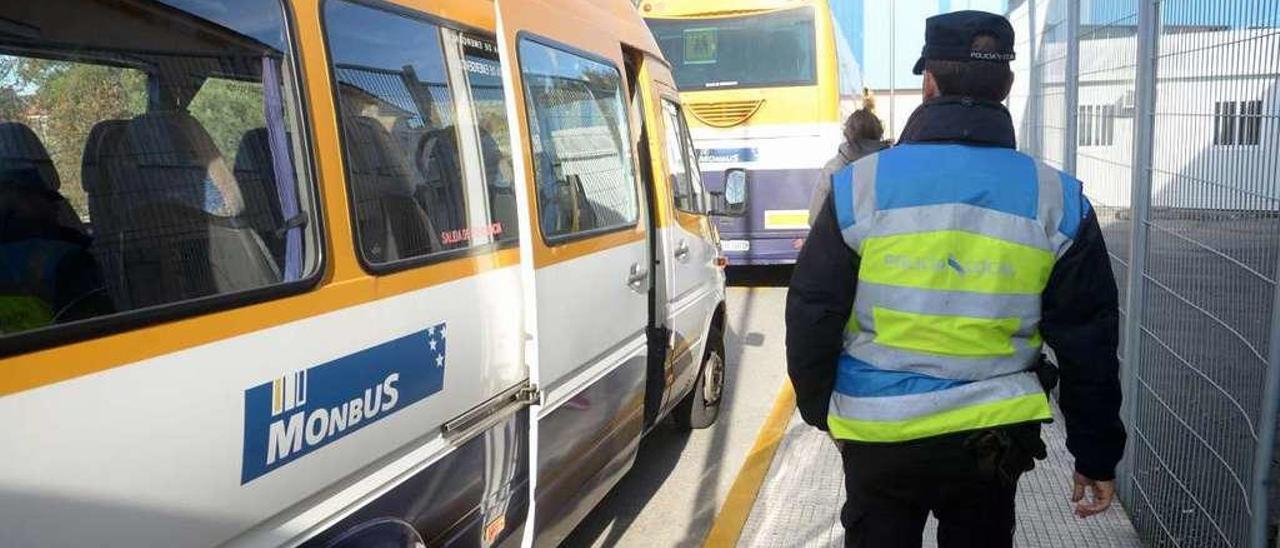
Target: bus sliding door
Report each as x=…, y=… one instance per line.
x=586, y=257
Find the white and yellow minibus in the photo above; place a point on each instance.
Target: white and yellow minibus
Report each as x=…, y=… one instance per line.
x=342, y=272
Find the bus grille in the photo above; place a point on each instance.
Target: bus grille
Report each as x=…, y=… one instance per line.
x=725, y=113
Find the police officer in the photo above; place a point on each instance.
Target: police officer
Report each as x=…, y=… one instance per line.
x=920, y=302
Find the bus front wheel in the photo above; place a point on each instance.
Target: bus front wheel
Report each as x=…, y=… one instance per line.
x=701, y=406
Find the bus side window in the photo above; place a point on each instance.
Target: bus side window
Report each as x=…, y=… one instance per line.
x=681, y=166
x=134, y=205
x=413, y=159
x=581, y=142
x=479, y=84
x=695, y=172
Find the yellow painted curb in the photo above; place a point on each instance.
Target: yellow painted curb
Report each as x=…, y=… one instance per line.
x=742, y=495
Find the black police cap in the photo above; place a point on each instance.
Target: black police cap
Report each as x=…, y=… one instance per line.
x=948, y=37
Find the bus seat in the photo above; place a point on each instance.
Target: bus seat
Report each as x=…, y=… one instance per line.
x=21, y=149
x=46, y=272
x=175, y=213
x=441, y=174
x=102, y=147
x=390, y=221
x=502, y=195
x=257, y=178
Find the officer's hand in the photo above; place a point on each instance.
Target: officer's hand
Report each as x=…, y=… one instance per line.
x=1103, y=492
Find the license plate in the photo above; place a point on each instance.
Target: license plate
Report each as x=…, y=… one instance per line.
x=735, y=245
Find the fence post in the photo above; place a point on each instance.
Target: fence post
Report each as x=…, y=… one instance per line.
x=1033, y=87
x=1265, y=451
x=1140, y=209
x=1071, y=91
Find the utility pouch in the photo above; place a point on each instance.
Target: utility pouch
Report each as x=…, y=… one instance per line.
x=1007, y=453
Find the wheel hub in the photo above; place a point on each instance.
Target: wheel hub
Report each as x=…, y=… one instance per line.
x=713, y=384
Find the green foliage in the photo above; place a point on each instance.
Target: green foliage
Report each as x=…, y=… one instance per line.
x=66, y=100
x=11, y=104
x=62, y=101
x=227, y=109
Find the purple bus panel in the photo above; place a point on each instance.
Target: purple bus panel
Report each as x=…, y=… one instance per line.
x=750, y=240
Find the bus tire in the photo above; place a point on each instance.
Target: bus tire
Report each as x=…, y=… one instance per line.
x=701, y=406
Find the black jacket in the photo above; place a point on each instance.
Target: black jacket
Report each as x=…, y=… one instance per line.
x=1079, y=317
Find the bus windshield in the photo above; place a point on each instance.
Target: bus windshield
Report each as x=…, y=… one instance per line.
x=774, y=49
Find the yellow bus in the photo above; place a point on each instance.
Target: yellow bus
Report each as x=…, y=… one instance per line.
x=342, y=273
x=766, y=84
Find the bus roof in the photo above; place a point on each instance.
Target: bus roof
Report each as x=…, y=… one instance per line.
x=717, y=8
x=619, y=16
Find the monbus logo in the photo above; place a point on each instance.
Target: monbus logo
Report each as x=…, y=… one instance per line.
x=300, y=412
x=288, y=392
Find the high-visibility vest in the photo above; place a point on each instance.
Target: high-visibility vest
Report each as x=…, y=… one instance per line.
x=956, y=244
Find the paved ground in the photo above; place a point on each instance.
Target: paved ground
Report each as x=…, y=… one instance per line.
x=680, y=480
x=675, y=490
x=799, y=503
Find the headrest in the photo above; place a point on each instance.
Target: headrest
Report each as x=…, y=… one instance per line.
x=254, y=154
x=102, y=145
x=21, y=152
x=176, y=159
x=374, y=159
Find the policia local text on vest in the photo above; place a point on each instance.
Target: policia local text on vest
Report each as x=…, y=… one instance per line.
x=919, y=306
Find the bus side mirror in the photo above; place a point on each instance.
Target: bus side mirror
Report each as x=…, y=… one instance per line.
x=733, y=201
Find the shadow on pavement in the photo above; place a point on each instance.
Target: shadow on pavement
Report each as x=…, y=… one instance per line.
x=708, y=497
x=760, y=276
x=659, y=455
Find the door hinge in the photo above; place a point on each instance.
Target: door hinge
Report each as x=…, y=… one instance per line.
x=530, y=394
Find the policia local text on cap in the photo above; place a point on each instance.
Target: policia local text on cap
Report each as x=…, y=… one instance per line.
x=930, y=280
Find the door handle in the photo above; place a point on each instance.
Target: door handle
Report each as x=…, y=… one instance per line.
x=637, y=277
x=682, y=251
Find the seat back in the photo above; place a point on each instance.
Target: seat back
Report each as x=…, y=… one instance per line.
x=46, y=272
x=257, y=177
x=391, y=223
x=101, y=163
x=21, y=150
x=176, y=228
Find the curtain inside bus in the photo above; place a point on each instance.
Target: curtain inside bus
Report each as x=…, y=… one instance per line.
x=771, y=49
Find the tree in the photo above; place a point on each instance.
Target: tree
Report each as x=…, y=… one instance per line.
x=11, y=103
x=70, y=98
x=227, y=109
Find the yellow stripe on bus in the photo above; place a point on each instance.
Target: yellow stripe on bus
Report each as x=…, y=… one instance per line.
x=33, y=370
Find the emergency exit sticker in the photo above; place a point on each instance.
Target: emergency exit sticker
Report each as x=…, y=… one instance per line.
x=700, y=46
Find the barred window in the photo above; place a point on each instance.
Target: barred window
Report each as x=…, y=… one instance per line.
x=1096, y=125
x=1237, y=123
x=153, y=163
x=578, y=127
x=424, y=131
x=682, y=159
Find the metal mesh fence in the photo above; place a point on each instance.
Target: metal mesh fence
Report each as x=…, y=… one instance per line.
x=1186, y=90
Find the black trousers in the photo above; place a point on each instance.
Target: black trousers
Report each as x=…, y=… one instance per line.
x=892, y=488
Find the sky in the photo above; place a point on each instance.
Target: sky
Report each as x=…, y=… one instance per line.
x=866, y=25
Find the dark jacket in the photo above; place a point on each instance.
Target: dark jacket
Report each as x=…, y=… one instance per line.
x=1079, y=317
x=848, y=153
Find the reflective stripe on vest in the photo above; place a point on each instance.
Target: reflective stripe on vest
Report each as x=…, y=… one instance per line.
x=956, y=245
